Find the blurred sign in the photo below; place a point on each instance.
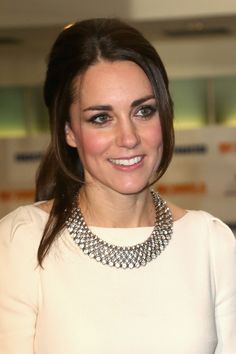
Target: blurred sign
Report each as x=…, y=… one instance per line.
x=202, y=174
x=19, y=159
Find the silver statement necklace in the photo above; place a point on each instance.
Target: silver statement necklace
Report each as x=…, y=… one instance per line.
x=123, y=257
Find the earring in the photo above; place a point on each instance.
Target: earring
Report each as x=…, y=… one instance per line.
x=67, y=128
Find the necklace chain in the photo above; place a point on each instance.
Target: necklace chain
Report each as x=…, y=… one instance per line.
x=118, y=256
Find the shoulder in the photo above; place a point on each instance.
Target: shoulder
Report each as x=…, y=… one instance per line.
x=210, y=240
x=202, y=226
x=221, y=239
x=208, y=230
x=222, y=256
x=25, y=223
x=210, y=223
x=20, y=235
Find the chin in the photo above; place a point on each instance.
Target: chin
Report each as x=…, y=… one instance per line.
x=134, y=189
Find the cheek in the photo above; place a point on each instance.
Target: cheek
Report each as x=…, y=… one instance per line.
x=156, y=144
x=91, y=144
x=154, y=136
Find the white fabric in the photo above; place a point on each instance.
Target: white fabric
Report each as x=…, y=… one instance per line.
x=184, y=302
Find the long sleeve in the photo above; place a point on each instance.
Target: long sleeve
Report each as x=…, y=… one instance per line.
x=183, y=302
x=18, y=283
x=224, y=264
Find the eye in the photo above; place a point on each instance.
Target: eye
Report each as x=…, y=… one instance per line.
x=146, y=111
x=99, y=119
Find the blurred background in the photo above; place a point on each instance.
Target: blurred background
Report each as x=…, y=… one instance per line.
x=197, y=42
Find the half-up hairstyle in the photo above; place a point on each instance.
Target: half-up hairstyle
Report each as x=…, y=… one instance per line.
x=61, y=174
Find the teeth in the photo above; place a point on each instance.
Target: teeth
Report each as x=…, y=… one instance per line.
x=127, y=162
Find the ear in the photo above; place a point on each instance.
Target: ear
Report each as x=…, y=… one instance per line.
x=70, y=136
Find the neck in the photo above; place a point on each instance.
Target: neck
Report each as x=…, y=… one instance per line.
x=113, y=209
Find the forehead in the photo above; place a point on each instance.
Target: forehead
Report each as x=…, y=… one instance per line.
x=108, y=79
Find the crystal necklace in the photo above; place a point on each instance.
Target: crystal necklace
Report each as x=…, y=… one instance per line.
x=118, y=256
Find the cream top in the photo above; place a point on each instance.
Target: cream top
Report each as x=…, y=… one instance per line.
x=182, y=302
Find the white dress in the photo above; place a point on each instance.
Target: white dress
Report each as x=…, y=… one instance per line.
x=183, y=302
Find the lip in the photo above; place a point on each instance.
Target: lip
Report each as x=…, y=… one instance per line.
x=127, y=163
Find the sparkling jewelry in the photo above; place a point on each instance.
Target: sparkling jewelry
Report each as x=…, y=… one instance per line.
x=118, y=256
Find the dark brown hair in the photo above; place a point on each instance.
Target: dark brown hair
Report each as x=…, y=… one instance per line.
x=60, y=174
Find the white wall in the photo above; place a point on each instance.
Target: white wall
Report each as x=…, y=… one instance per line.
x=25, y=64
x=183, y=58
x=33, y=12
x=199, y=57
x=149, y=9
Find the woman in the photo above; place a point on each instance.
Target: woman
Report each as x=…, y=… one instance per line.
x=101, y=264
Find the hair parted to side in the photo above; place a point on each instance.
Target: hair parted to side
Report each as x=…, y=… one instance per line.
x=60, y=174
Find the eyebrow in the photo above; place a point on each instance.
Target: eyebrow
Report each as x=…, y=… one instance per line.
x=109, y=107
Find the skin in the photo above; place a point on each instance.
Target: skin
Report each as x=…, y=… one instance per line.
x=120, y=132
x=115, y=127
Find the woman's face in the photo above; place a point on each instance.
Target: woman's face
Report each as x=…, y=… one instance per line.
x=115, y=127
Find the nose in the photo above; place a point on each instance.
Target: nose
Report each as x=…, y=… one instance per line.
x=127, y=134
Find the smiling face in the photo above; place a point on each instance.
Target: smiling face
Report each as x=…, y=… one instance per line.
x=115, y=127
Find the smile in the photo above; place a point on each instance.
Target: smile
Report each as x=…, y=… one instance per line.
x=127, y=162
